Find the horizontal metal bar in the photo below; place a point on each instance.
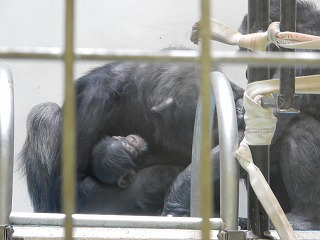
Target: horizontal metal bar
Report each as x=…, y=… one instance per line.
x=100, y=54
x=31, y=53
x=89, y=220
x=82, y=233
x=137, y=55
x=276, y=59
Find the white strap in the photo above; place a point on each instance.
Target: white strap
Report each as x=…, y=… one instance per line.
x=260, y=41
x=260, y=127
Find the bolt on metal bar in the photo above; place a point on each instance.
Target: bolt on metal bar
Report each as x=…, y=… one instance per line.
x=68, y=140
x=6, y=143
x=6, y=232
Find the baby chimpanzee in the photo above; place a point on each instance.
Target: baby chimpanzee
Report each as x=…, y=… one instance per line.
x=115, y=159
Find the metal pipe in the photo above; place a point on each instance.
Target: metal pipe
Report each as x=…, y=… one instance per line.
x=261, y=59
x=195, y=169
x=68, y=140
x=195, y=193
x=205, y=140
x=258, y=20
x=6, y=143
x=286, y=98
x=90, y=220
x=258, y=220
x=228, y=142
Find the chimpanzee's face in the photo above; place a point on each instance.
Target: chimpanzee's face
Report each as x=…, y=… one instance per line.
x=133, y=145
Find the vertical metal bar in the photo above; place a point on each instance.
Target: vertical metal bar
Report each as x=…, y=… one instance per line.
x=228, y=142
x=286, y=99
x=68, y=147
x=6, y=143
x=195, y=172
x=205, y=90
x=258, y=220
x=195, y=165
x=258, y=19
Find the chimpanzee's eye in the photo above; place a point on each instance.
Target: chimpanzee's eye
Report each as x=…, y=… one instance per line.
x=130, y=149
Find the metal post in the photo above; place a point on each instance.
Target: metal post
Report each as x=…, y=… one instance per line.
x=205, y=140
x=286, y=99
x=68, y=141
x=258, y=220
x=258, y=19
x=228, y=142
x=6, y=143
x=195, y=167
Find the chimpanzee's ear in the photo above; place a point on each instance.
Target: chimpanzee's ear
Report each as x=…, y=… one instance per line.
x=163, y=105
x=126, y=178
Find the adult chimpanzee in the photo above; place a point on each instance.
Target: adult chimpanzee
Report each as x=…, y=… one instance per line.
x=156, y=101
x=115, y=159
x=295, y=148
x=98, y=192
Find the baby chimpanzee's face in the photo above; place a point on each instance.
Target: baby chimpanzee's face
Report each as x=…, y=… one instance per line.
x=133, y=144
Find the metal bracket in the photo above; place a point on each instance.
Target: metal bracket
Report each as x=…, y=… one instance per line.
x=251, y=236
x=241, y=235
x=275, y=102
x=6, y=232
x=232, y=235
x=289, y=104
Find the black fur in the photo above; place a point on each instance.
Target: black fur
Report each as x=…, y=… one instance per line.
x=115, y=159
x=120, y=99
x=39, y=151
x=144, y=194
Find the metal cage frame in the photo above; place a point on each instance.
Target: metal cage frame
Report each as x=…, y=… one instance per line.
x=205, y=57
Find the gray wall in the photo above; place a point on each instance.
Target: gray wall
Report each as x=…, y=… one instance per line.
x=125, y=24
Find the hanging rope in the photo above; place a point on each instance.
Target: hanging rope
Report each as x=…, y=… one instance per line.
x=258, y=41
x=260, y=121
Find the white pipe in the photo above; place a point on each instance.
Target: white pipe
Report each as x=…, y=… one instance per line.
x=228, y=142
x=112, y=221
x=6, y=143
